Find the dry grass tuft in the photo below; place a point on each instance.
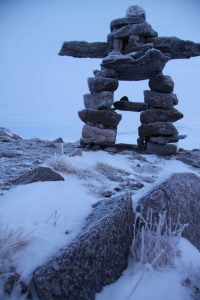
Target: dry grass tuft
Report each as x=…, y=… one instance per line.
x=60, y=164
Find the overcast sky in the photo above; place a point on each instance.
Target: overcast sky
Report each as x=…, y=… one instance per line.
x=41, y=92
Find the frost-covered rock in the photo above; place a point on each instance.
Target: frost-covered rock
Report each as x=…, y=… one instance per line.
x=95, y=258
x=94, y=135
x=179, y=197
x=107, y=118
x=160, y=100
x=100, y=84
x=98, y=100
x=160, y=115
x=38, y=174
x=135, y=11
x=157, y=129
x=8, y=136
x=161, y=83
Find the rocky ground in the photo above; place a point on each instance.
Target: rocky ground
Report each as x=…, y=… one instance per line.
x=18, y=156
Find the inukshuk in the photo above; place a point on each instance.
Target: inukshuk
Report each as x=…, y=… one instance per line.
x=133, y=52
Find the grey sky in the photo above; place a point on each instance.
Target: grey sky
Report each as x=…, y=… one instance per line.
x=41, y=92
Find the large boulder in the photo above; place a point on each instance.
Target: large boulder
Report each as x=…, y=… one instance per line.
x=157, y=129
x=93, y=135
x=96, y=257
x=160, y=100
x=160, y=115
x=99, y=100
x=179, y=198
x=107, y=118
x=38, y=174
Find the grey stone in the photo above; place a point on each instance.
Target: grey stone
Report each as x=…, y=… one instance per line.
x=190, y=157
x=141, y=29
x=100, y=84
x=118, y=23
x=38, y=174
x=160, y=100
x=128, y=68
x=8, y=136
x=76, y=152
x=108, y=118
x=111, y=149
x=10, y=154
x=162, y=140
x=136, y=11
x=107, y=73
x=160, y=115
x=130, y=106
x=94, y=135
x=157, y=129
x=98, y=100
x=161, y=83
x=96, y=257
x=136, y=47
x=172, y=46
x=153, y=148
x=85, y=49
x=179, y=197
x=176, y=47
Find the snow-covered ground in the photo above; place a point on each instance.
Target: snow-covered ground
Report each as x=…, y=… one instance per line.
x=50, y=214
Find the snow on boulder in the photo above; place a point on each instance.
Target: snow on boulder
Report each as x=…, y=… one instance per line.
x=179, y=197
x=97, y=256
x=38, y=174
x=8, y=136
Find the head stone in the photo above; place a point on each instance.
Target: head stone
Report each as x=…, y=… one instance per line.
x=135, y=11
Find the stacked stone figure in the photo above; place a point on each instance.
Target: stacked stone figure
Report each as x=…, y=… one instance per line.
x=133, y=52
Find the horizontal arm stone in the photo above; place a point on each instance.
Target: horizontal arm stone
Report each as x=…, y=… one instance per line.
x=84, y=49
x=176, y=47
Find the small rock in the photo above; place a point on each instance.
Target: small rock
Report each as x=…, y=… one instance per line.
x=136, y=11
x=98, y=100
x=94, y=135
x=109, y=119
x=10, y=282
x=166, y=139
x=96, y=147
x=111, y=149
x=107, y=194
x=157, y=129
x=38, y=174
x=160, y=115
x=160, y=100
x=130, y=106
x=76, y=152
x=106, y=73
x=124, y=98
x=58, y=140
x=11, y=154
x=100, y=84
x=161, y=83
x=153, y=148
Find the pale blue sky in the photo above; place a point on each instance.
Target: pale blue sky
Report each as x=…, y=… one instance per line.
x=41, y=92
